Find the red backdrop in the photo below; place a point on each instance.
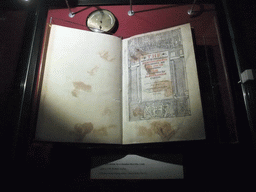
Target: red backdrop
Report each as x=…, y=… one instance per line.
x=146, y=18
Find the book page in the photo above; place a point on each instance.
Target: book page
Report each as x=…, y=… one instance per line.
x=161, y=96
x=81, y=91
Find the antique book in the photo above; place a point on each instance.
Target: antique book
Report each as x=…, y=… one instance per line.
x=98, y=88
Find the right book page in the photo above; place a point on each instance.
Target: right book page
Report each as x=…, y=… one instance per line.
x=161, y=95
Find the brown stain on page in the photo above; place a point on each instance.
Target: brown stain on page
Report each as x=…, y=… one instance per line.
x=143, y=131
x=150, y=71
x=103, y=131
x=137, y=55
x=106, y=56
x=79, y=85
x=93, y=70
x=138, y=112
x=75, y=92
x=165, y=85
x=163, y=129
x=106, y=111
x=81, y=130
x=112, y=126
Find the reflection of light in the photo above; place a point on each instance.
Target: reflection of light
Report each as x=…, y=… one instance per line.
x=25, y=1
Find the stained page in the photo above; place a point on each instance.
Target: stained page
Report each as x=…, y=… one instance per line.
x=81, y=91
x=161, y=96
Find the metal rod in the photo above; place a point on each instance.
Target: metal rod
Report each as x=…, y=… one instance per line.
x=71, y=14
x=191, y=11
x=131, y=12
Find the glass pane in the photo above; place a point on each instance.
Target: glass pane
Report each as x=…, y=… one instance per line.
x=11, y=39
x=11, y=33
x=217, y=102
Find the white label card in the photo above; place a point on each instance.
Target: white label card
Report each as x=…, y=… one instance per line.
x=136, y=167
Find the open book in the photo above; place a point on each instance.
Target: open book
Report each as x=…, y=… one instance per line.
x=98, y=88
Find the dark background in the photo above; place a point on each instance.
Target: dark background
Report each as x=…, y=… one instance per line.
x=211, y=167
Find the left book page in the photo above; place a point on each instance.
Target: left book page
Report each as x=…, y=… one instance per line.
x=81, y=90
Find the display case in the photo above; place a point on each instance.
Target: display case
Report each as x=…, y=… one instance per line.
x=218, y=61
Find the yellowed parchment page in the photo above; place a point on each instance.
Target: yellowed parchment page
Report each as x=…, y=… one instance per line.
x=81, y=91
x=161, y=96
